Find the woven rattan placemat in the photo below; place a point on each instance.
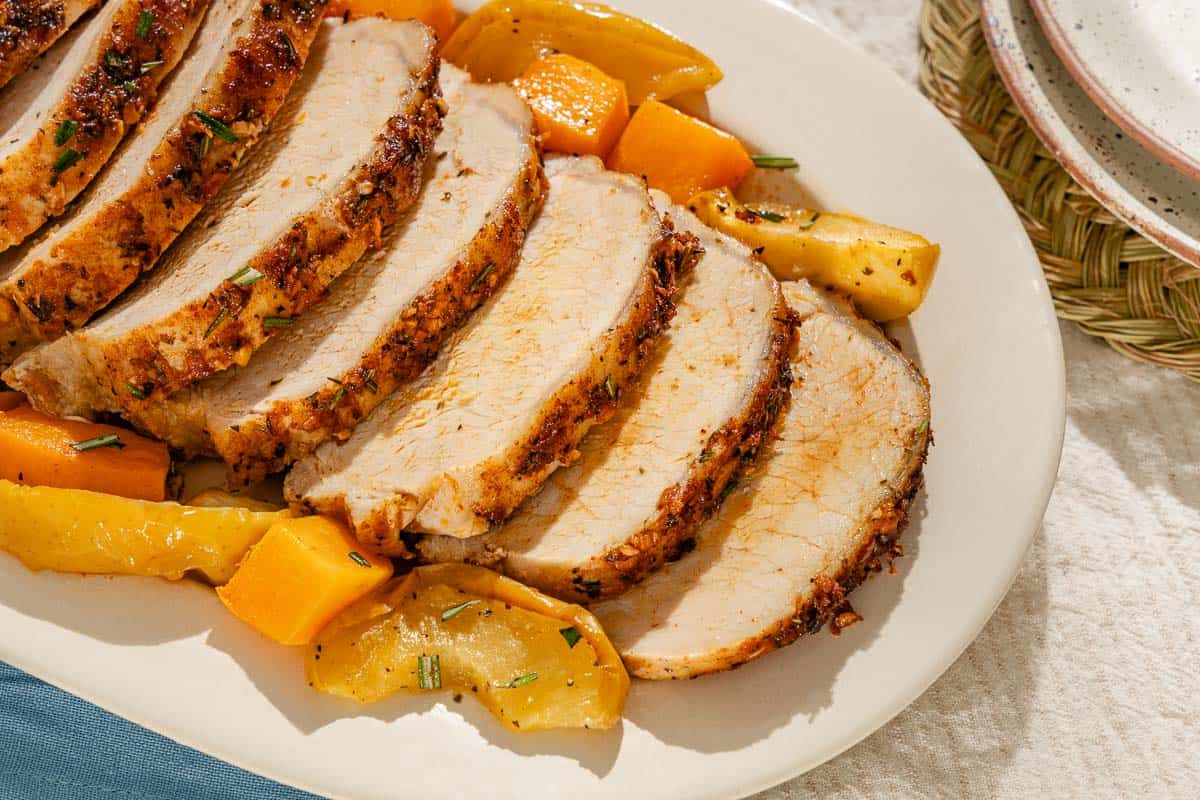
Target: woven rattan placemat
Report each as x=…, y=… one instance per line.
x=1104, y=276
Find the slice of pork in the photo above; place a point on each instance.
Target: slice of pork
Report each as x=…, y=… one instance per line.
x=61, y=120
x=29, y=27
x=648, y=476
x=387, y=316
x=343, y=157
x=239, y=68
x=826, y=502
x=514, y=392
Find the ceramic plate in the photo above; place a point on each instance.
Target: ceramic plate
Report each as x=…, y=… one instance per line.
x=170, y=658
x=1140, y=63
x=1130, y=181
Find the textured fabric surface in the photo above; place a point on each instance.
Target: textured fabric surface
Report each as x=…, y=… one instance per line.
x=56, y=747
x=1086, y=682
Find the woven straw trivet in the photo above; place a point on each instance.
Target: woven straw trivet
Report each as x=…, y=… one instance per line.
x=1104, y=276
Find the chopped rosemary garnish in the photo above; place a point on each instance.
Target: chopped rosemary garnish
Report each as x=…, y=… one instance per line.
x=571, y=635
x=245, y=276
x=114, y=59
x=219, y=129
x=107, y=440
x=69, y=158
x=611, y=388
x=66, y=130
x=337, y=397
x=129, y=86
x=728, y=490
x=277, y=322
x=769, y=216
x=923, y=427
x=454, y=611
x=481, y=277
x=775, y=162
x=369, y=381
x=359, y=558
x=149, y=65
x=216, y=322
x=808, y=223
x=136, y=391
x=705, y=456
x=429, y=672
x=519, y=681
x=145, y=20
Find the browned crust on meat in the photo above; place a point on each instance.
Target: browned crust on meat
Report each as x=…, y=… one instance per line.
x=27, y=29
x=878, y=542
x=682, y=507
x=579, y=405
x=85, y=271
x=292, y=429
x=592, y=398
x=233, y=321
x=105, y=99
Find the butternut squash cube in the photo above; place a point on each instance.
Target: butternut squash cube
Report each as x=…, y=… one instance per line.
x=679, y=154
x=301, y=575
x=578, y=108
x=39, y=450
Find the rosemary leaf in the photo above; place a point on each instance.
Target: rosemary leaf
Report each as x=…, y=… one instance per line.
x=219, y=129
x=277, y=322
x=519, y=681
x=359, y=558
x=216, y=323
x=429, y=672
x=149, y=65
x=145, y=20
x=774, y=162
x=481, y=277
x=572, y=635
x=107, y=440
x=69, y=158
x=135, y=390
x=66, y=130
x=454, y=611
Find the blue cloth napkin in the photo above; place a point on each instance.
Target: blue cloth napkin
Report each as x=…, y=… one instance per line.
x=54, y=746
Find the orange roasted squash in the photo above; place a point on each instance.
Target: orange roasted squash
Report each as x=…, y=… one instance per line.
x=302, y=574
x=39, y=450
x=578, y=108
x=437, y=14
x=679, y=154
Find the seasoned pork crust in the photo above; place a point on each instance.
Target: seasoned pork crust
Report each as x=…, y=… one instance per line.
x=651, y=474
x=386, y=317
x=512, y=395
x=345, y=157
x=60, y=123
x=239, y=69
x=29, y=27
x=823, y=508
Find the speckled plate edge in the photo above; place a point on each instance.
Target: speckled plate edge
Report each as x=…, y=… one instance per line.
x=1097, y=86
x=1152, y=197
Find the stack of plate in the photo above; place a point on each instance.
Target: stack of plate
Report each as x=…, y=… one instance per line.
x=1112, y=87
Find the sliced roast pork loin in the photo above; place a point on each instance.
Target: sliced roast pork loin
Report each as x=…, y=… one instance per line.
x=343, y=157
x=238, y=71
x=387, y=316
x=648, y=476
x=29, y=27
x=62, y=118
x=516, y=389
x=825, y=503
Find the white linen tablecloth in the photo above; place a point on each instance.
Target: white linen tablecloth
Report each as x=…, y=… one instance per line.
x=1086, y=682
